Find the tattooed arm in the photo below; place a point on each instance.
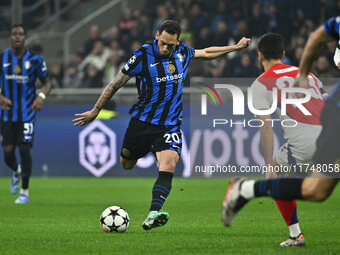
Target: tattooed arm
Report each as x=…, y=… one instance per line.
x=119, y=81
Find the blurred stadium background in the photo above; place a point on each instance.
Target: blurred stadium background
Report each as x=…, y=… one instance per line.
x=86, y=42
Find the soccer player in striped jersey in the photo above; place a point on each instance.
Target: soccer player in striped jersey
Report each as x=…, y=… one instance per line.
x=19, y=70
x=160, y=69
x=326, y=172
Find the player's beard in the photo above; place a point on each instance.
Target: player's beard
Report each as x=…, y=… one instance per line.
x=164, y=56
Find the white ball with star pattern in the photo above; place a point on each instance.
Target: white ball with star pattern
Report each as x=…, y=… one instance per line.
x=114, y=219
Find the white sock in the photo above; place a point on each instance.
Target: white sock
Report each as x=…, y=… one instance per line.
x=294, y=230
x=247, y=189
x=19, y=169
x=24, y=191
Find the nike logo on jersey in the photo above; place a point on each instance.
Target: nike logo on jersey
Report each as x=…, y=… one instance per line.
x=7, y=64
x=162, y=197
x=175, y=146
x=152, y=65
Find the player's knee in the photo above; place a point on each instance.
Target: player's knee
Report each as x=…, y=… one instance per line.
x=25, y=150
x=169, y=164
x=317, y=193
x=8, y=156
x=320, y=196
x=127, y=164
x=25, y=154
x=172, y=163
x=323, y=194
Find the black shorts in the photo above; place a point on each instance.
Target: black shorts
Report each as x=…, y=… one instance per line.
x=328, y=143
x=142, y=137
x=15, y=133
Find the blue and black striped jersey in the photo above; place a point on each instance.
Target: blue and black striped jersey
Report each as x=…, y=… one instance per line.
x=332, y=27
x=159, y=83
x=18, y=77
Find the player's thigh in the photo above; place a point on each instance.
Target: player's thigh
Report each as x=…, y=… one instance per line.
x=167, y=138
x=167, y=160
x=10, y=132
x=327, y=153
x=318, y=187
x=137, y=141
x=167, y=146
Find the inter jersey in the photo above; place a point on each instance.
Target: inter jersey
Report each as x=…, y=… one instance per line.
x=332, y=27
x=18, y=77
x=159, y=83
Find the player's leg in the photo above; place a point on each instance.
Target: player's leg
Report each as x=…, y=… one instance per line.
x=10, y=158
x=11, y=162
x=26, y=171
x=167, y=147
x=128, y=164
x=240, y=191
x=318, y=188
x=288, y=209
x=167, y=161
x=136, y=143
x=25, y=146
x=9, y=133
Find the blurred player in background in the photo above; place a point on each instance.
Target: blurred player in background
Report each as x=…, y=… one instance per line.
x=160, y=69
x=301, y=139
x=18, y=73
x=326, y=170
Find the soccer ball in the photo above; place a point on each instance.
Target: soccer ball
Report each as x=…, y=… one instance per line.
x=114, y=219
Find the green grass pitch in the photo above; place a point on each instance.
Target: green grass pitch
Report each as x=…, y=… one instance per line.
x=63, y=218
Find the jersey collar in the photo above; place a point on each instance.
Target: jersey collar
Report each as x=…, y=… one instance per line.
x=10, y=50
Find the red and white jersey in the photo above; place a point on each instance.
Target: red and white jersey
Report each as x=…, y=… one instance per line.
x=301, y=138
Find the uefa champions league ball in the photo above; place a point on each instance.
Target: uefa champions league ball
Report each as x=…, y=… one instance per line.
x=114, y=219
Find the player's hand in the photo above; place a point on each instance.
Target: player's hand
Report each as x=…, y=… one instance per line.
x=300, y=82
x=84, y=118
x=271, y=175
x=243, y=43
x=5, y=103
x=38, y=103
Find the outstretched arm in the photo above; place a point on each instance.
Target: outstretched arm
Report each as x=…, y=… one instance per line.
x=215, y=52
x=315, y=44
x=119, y=81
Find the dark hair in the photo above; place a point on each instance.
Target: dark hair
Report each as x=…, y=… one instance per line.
x=18, y=25
x=271, y=46
x=171, y=26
